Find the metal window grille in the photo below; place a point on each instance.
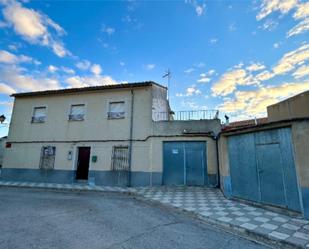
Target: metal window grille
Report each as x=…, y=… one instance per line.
x=48, y=154
x=120, y=158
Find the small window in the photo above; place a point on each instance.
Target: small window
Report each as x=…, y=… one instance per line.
x=116, y=110
x=39, y=115
x=120, y=158
x=48, y=155
x=77, y=112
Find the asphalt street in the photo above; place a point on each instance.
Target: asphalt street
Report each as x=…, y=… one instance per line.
x=46, y=219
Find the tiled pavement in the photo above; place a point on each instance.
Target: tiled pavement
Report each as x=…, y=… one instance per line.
x=212, y=206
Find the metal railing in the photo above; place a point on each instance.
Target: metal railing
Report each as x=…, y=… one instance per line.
x=185, y=115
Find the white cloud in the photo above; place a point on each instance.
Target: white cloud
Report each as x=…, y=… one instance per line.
x=190, y=91
x=203, y=80
x=302, y=11
x=292, y=59
x=301, y=72
x=67, y=70
x=108, y=30
x=96, y=69
x=284, y=6
x=254, y=103
x=52, y=68
x=34, y=27
x=200, y=65
x=6, y=89
x=232, y=27
x=205, y=77
x=228, y=82
x=255, y=67
x=83, y=65
x=300, y=28
x=16, y=77
x=9, y=58
x=199, y=8
x=269, y=25
x=276, y=45
x=122, y=63
x=95, y=80
x=213, y=40
x=189, y=70
x=269, y=6
x=150, y=66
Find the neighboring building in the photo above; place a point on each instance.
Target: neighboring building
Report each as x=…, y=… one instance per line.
x=267, y=162
x=291, y=108
x=122, y=134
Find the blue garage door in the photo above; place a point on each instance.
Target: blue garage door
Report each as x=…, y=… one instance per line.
x=184, y=163
x=262, y=168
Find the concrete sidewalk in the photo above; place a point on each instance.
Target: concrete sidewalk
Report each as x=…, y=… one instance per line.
x=210, y=205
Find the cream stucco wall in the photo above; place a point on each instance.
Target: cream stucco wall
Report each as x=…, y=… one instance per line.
x=96, y=125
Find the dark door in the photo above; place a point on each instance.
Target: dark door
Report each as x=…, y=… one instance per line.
x=83, y=163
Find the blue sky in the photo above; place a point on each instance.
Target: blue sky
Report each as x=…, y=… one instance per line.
x=235, y=56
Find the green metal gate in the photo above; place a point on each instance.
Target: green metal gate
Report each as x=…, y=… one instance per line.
x=184, y=163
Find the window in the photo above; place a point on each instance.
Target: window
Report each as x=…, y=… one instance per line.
x=39, y=115
x=48, y=154
x=120, y=158
x=77, y=112
x=116, y=110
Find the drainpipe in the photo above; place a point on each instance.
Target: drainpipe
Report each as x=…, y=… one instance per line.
x=218, y=158
x=131, y=137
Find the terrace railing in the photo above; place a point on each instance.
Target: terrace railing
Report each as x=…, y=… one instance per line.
x=185, y=115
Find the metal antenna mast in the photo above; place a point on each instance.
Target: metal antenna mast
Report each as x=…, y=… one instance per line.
x=168, y=75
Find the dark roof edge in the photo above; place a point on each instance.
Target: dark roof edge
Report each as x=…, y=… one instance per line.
x=88, y=89
x=264, y=125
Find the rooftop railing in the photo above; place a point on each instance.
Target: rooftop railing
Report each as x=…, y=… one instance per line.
x=185, y=115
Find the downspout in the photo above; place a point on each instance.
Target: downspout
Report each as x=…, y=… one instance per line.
x=218, y=158
x=131, y=137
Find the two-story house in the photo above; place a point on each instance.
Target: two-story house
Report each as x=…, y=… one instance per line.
x=122, y=134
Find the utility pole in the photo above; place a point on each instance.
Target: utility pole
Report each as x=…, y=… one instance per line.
x=168, y=75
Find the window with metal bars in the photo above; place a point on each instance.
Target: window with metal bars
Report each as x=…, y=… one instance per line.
x=120, y=158
x=48, y=154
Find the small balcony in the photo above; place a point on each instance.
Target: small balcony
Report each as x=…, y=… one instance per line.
x=185, y=115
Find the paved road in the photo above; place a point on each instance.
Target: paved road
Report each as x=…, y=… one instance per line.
x=49, y=219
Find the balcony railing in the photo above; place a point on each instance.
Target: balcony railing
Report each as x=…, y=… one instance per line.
x=185, y=115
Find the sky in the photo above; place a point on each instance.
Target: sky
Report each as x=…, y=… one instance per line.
x=233, y=56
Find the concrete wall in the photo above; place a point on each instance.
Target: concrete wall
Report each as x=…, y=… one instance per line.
x=294, y=107
x=300, y=140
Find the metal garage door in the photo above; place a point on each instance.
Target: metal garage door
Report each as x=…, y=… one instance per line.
x=184, y=163
x=262, y=168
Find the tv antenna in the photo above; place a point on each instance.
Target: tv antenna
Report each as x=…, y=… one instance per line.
x=168, y=75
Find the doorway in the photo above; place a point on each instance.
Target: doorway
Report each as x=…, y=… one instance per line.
x=82, y=168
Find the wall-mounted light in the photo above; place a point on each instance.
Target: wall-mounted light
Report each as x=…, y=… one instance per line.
x=2, y=118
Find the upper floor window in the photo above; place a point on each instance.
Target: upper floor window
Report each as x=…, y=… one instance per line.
x=116, y=110
x=77, y=112
x=39, y=114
